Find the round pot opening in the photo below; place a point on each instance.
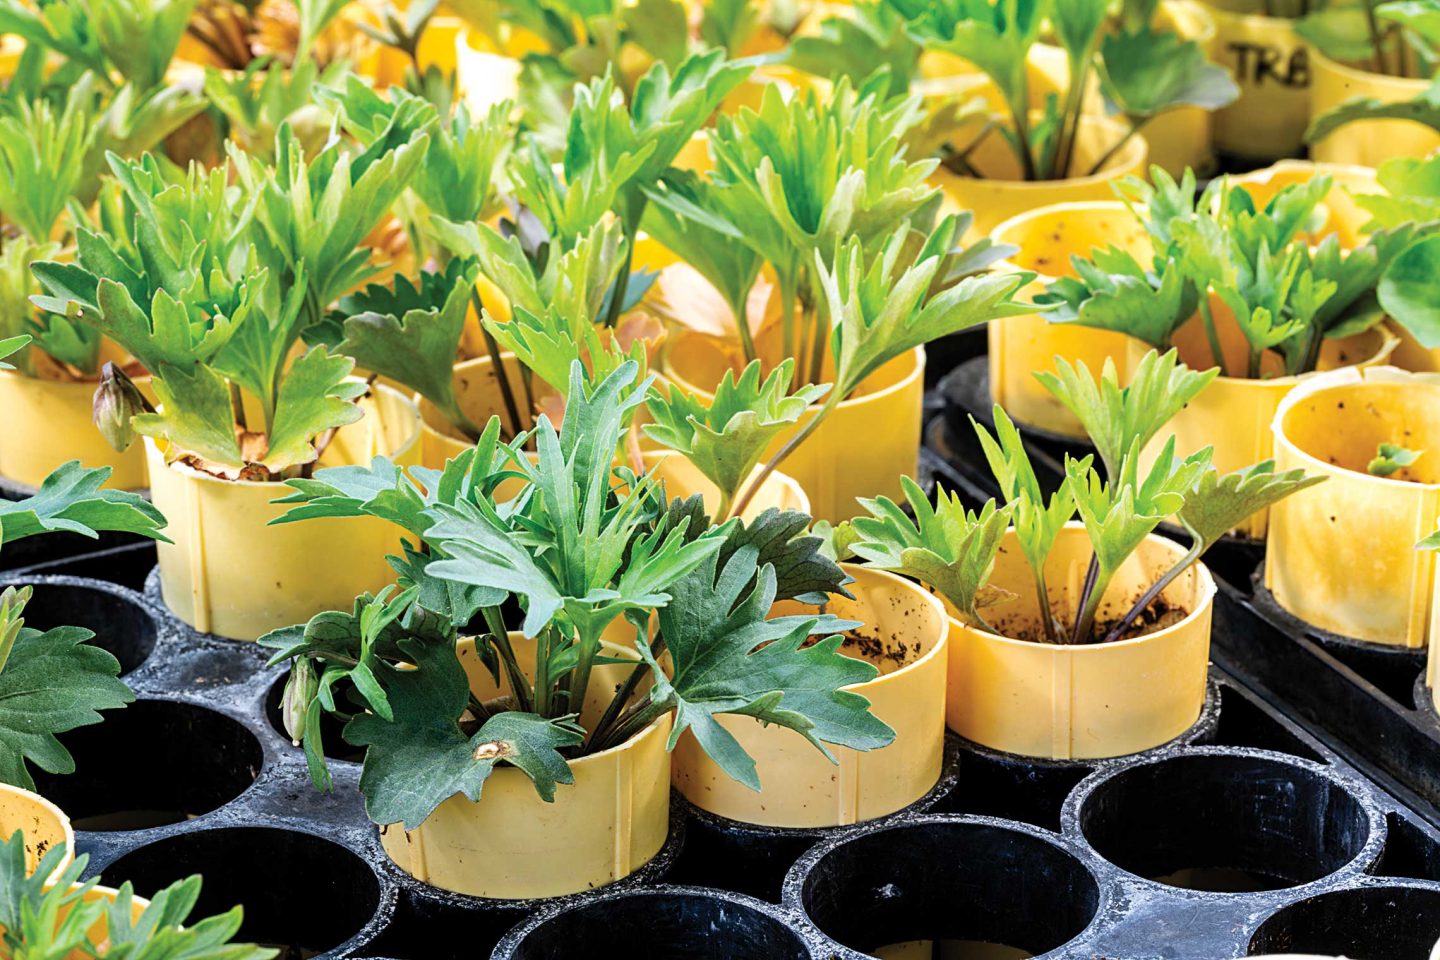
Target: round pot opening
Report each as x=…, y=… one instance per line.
x=1225, y=823
x=678, y=924
x=153, y=763
x=301, y=893
x=335, y=746
x=968, y=887
x=122, y=627
x=1373, y=923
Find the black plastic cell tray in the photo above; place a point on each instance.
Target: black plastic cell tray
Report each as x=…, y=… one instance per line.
x=1047, y=856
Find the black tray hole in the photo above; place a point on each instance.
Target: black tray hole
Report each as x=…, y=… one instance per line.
x=1243, y=723
x=154, y=762
x=1375, y=923
x=301, y=893
x=330, y=726
x=1225, y=823
x=676, y=925
x=1409, y=851
x=946, y=881
x=122, y=627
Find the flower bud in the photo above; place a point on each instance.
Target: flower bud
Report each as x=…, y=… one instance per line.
x=117, y=399
x=300, y=690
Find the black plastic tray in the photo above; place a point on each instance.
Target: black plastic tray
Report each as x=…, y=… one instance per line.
x=1048, y=856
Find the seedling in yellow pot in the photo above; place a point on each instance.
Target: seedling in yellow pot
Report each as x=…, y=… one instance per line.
x=1140, y=602
x=588, y=553
x=51, y=913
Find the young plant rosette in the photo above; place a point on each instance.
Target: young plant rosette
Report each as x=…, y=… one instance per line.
x=1342, y=557
x=584, y=548
x=1108, y=653
x=1240, y=287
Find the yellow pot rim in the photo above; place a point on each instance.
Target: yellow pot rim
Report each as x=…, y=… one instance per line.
x=1411, y=85
x=1388, y=343
x=1207, y=588
x=191, y=473
x=1069, y=206
x=936, y=651
x=1331, y=380
x=916, y=357
x=777, y=480
x=1131, y=155
x=1312, y=167
x=1255, y=19
x=51, y=808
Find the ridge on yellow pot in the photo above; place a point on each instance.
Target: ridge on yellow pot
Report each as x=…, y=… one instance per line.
x=230, y=574
x=862, y=448
x=43, y=824
x=1019, y=346
x=1084, y=701
x=512, y=845
x=904, y=634
x=1344, y=216
x=1001, y=193
x=1270, y=63
x=1366, y=143
x=1341, y=555
x=1232, y=415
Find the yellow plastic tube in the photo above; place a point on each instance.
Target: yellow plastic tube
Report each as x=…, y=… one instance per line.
x=1020, y=346
x=862, y=448
x=230, y=574
x=1269, y=62
x=48, y=422
x=904, y=634
x=512, y=845
x=1341, y=555
x=1366, y=143
x=1233, y=414
x=43, y=824
x=1001, y=194
x=1344, y=216
x=1086, y=701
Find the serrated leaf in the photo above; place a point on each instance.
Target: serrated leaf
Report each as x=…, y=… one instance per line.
x=1410, y=291
x=803, y=570
x=195, y=415
x=70, y=499
x=727, y=658
x=1147, y=72
x=1218, y=504
x=422, y=758
x=315, y=396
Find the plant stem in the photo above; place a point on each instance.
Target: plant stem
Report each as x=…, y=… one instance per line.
x=1211, y=336
x=741, y=312
x=622, y=698
x=817, y=343
x=1377, y=50
x=1070, y=118
x=787, y=312
x=502, y=376
x=1092, y=572
x=1108, y=155
x=1022, y=140
x=580, y=676
x=542, y=672
x=1252, y=367
x=519, y=686
x=1197, y=547
x=797, y=438
x=638, y=719
x=1042, y=593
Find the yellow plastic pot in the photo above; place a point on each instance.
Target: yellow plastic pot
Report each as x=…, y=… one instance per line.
x=1001, y=194
x=799, y=787
x=1365, y=142
x=43, y=824
x=1020, y=346
x=1341, y=555
x=1086, y=701
x=1233, y=414
x=1270, y=64
x=48, y=422
x=512, y=845
x=230, y=574
x=862, y=448
x=1344, y=216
